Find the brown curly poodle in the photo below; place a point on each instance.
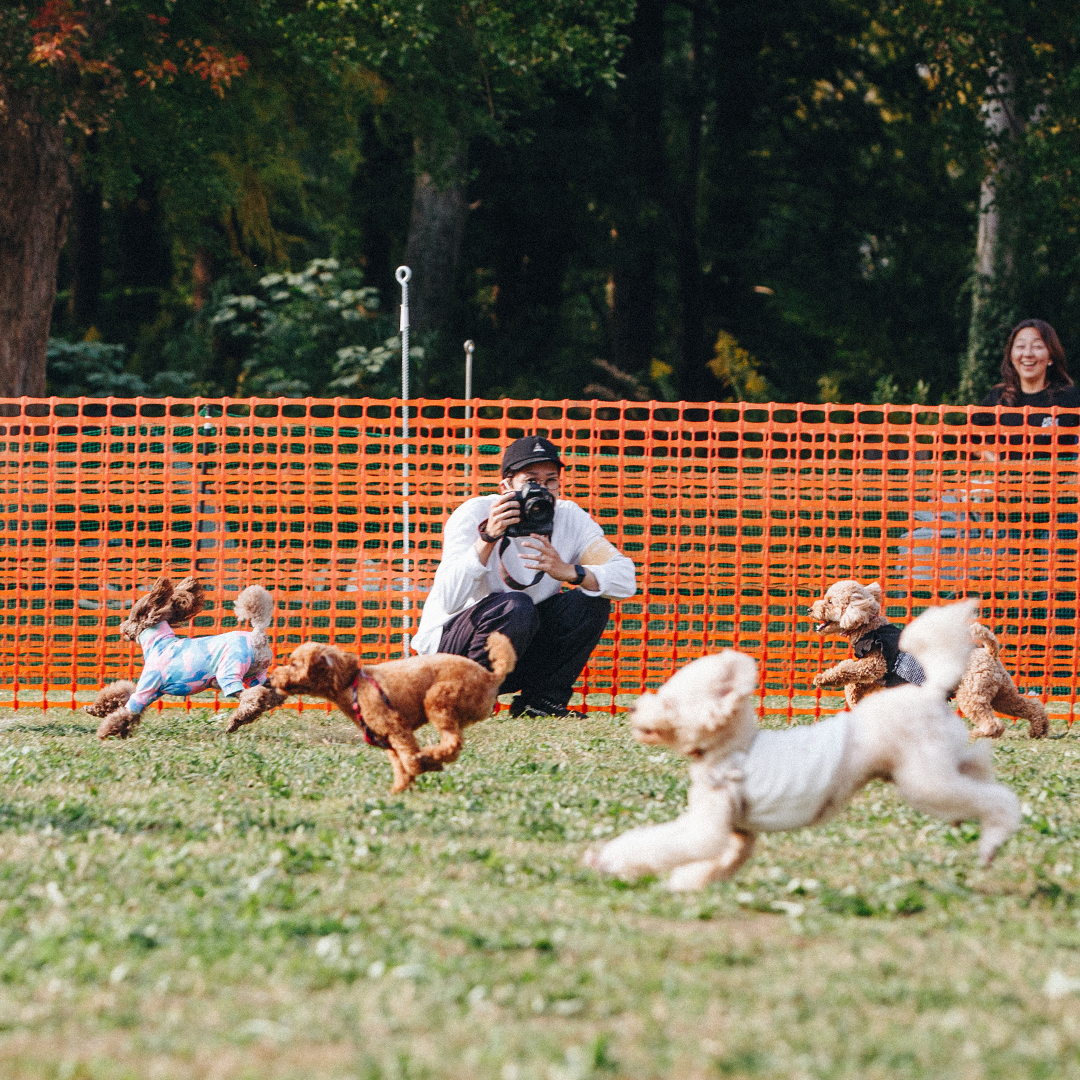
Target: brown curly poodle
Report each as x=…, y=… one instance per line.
x=987, y=688
x=389, y=701
x=853, y=611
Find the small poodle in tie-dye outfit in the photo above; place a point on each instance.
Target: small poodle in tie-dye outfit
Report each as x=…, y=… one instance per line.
x=238, y=661
x=183, y=666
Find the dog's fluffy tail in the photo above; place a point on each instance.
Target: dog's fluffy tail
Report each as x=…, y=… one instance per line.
x=256, y=605
x=501, y=654
x=940, y=641
x=984, y=636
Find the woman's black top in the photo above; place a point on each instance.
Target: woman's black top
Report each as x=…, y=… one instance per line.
x=1064, y=397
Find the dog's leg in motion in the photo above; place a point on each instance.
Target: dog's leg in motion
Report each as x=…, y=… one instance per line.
x=696, y=875
x=983, y=720
x=447, y=749
x=254, y=701
x=119, y=724
x=110, y=698
x=404, y=757
x=700, y=835
x=1010, y=701
x=958, y=796
x=401, y=778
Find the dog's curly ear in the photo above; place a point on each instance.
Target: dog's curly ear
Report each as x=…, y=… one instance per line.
x=732, y=679
x=322, y=664
x=160, y=593
x=862, y=606
x=187, y=601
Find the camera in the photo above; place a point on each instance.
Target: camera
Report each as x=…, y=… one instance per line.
x=537, y=507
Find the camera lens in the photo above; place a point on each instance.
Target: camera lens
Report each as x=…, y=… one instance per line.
x=537, y=511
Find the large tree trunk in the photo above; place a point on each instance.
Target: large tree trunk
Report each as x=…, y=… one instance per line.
x=639, y=238
x=976, y=367
x=436, y=228
x=35, y=193
x=696, y=381
x=994, y=263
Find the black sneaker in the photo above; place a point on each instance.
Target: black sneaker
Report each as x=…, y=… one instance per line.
x=537, y=707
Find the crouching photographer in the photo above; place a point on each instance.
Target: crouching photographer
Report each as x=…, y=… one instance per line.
x=505, y=560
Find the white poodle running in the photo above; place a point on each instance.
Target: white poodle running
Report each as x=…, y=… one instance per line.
x=744, y=781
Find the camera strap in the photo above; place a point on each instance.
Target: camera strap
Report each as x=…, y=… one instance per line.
x=505, y=575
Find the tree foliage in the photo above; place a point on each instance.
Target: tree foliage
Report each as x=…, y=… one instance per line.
x=662, y=199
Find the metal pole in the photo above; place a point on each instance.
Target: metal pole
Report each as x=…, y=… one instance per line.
x=470, y=348
x=403, y=274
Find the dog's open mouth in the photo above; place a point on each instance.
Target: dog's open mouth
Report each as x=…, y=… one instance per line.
x=821, y=627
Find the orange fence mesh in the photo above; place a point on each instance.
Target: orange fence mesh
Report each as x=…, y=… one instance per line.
x=737, y=515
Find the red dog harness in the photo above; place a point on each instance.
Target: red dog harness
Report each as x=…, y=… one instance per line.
x=370, y=737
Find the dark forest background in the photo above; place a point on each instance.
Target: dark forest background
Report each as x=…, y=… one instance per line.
x=737, y=200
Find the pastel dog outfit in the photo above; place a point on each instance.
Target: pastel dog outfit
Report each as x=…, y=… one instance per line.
x=183, y=666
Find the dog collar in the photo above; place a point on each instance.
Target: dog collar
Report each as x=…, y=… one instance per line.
x=370, y=737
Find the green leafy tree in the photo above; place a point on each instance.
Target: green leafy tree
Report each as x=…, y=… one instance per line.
x=67, y=74
x=455, y=72
x=1011, y=68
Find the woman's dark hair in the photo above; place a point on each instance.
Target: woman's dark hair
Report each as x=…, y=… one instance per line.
x=1057, y=374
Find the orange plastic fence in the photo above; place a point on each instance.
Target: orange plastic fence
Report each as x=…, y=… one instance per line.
x=737, y=516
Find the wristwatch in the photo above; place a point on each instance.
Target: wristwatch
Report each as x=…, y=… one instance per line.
x=579, y=570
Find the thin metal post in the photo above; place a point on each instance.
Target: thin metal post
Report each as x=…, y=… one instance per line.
x=470, y=348
x=403, y=274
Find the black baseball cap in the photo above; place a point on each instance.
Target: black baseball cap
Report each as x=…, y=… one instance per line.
x=528, y=451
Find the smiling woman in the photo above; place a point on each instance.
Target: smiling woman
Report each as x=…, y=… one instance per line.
x=1034, y=370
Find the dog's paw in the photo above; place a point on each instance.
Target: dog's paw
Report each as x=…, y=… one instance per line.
x=608, y=860
x=1040, y=728
x=691, y=876
x=118, y=725
x=989, y=843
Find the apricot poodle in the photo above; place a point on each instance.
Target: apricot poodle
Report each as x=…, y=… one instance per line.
x=744, y=781
x=854, y=611
x=236, y=662
x=389, y=701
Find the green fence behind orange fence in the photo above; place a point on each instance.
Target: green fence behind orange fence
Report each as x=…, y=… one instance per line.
x=737, y=515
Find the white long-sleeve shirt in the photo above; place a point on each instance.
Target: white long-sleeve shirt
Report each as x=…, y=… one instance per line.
x=462, y=579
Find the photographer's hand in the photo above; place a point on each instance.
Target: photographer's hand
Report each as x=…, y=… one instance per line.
x=505, y=510
x=538, y=554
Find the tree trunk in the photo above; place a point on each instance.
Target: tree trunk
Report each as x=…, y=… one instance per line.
x=436, y=228
x=35, y=193
x=697, y=382
x=639, y=238
x=991, y=279
x=976, y=374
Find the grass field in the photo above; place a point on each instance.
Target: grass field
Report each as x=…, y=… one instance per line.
x=188, y=904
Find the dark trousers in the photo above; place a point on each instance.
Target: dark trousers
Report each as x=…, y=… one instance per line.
x=552, y=639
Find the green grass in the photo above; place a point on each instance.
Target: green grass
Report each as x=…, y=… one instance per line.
x=188, y=904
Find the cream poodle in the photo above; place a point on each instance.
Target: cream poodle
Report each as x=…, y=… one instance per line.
x=744, y=781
